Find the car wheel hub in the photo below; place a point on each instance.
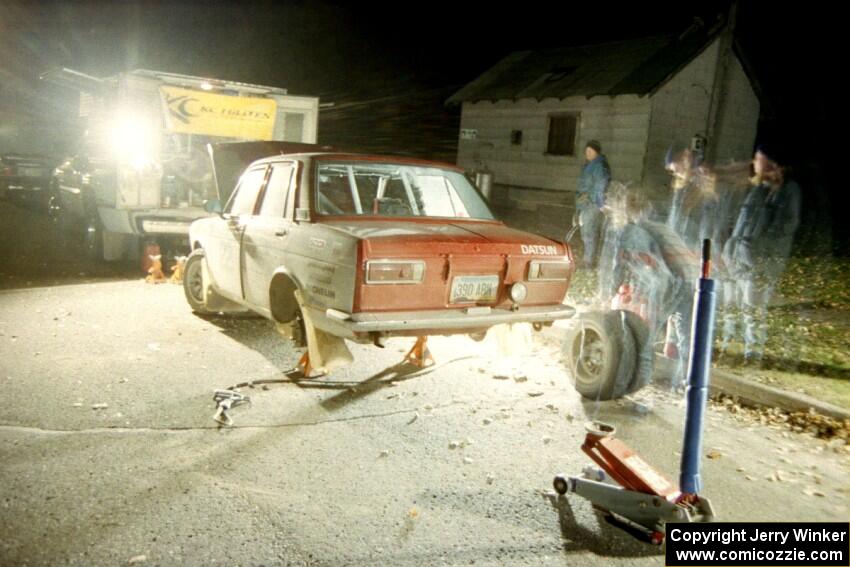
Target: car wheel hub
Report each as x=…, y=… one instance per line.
x=591, y=354
x=195, y=281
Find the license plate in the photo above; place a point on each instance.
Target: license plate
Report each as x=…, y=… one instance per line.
x=474, y=289
x=31, y=171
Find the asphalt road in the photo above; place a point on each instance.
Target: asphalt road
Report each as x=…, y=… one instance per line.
x=353, y=469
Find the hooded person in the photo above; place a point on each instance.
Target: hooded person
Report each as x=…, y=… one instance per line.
x=590, y=197
x=758, y=249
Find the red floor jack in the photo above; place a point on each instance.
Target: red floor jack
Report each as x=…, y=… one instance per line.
x=629, y=492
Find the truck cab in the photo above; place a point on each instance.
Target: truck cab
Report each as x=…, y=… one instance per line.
x=140, y=172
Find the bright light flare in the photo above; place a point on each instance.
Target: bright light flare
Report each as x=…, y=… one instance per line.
x=131, y=139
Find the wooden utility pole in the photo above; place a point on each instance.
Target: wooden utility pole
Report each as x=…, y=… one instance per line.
x=718, y=93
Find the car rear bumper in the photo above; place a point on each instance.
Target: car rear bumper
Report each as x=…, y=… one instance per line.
x=445, y=322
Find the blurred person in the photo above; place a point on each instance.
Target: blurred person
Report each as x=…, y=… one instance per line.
x=693, y=207
x=642, y=269
x=732, y=183
x=590, y=197
x=756, y=252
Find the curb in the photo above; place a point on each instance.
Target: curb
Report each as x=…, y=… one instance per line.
x=750, y=392
x=756, y=393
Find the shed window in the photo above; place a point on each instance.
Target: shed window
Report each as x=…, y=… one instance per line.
x=516, y=137
x=562, y=135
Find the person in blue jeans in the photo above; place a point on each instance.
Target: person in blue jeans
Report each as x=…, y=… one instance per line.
x=758, y=249
x=590, y=197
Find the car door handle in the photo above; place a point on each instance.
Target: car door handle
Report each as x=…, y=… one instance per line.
x=281, y=232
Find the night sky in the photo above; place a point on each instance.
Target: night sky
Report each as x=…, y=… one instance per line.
x=399, y=61
x=332, y=50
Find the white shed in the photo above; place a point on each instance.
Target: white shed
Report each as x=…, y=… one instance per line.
x=527, y=119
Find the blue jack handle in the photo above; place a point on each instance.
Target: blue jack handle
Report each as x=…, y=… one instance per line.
x=699, y=367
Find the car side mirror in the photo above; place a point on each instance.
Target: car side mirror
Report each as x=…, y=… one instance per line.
x=213, y=206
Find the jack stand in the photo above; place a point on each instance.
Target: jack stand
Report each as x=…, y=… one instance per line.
x=304, y=364
x=419, y=355
x=627, y=490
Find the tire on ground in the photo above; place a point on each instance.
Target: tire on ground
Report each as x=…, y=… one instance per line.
x=644, y=352
x=600, y=353
x=285, y=309
x=193, y=282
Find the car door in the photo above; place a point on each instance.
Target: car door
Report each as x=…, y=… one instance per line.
x=265, y=239
x=223, y=247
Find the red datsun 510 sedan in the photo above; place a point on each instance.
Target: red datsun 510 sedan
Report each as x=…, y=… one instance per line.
x=334, y=246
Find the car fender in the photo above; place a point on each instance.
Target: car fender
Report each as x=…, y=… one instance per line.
x=282, y=301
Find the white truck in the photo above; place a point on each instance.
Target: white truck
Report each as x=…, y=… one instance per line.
x=141, y=171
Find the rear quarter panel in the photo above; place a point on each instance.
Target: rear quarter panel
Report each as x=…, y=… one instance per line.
x=323, y=263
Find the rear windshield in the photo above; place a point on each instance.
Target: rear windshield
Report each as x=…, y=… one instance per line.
x=394, y=190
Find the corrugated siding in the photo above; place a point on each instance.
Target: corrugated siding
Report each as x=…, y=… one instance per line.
x=535, y=191
x=620, y=124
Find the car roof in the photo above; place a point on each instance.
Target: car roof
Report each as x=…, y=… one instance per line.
x=348, y=156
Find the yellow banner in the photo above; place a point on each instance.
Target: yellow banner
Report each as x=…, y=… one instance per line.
x=197, y=112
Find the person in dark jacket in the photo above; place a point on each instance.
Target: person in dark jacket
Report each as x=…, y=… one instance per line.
x=756, y=253
x=590, y=197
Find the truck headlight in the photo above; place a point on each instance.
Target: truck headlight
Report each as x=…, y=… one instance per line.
x=547, y=270
x=519, y=292
x=395, y=271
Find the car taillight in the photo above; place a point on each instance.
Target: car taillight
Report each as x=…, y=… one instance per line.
x=548, y=271
x=8, y=170
x=394, y=271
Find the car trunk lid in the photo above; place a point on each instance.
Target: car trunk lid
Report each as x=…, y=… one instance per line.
x=463, y=260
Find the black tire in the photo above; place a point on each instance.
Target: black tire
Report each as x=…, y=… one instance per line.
x=599, y=351
x=93, y=238
x=560, y=484
x=193, y=282
x=644, y=352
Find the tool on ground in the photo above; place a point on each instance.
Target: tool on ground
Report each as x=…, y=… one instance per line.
x=629, y=492
x=226, y=400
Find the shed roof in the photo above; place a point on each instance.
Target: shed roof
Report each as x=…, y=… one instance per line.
x=637, y=66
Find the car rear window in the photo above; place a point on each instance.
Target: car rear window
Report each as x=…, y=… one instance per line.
x=396, y=190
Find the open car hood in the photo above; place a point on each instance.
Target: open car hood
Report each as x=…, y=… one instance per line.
x=230, y=159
